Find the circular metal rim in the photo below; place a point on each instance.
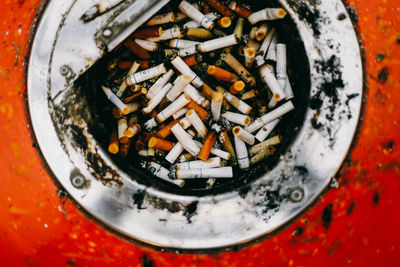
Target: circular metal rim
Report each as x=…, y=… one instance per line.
x=215, y=221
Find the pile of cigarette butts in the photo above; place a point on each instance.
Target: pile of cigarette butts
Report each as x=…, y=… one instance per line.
x=203, y=109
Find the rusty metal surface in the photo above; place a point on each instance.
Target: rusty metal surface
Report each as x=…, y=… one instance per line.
x=356, y=223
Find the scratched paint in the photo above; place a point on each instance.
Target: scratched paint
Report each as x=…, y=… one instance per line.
x=40, y=225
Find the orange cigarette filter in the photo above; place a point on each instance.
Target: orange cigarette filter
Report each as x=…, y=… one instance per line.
x=203, y=114
x=224, y=22
x=117, y=113
x=207, y=92
x=136, y=49
x=128, y=99
x=220, y=7
x=161, y=144
x=166, y=130
x=222, y=74
x=207, y=146
x=237, y=87
x=242, y=11
x=132, y=130
x=227, y=144
x=126, y=65
x=113, y=147
x=148, y=32
x=191, y=60
x=124, y=148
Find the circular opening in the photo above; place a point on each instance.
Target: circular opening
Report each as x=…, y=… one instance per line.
x=108, y=71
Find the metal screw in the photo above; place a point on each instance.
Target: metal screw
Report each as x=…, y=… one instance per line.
x=296, y=194
x=78, y=181
x=64, y=70
x=107, y=33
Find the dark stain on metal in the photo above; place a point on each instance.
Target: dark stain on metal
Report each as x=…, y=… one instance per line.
x=70, y=263
x=190, y=211
x=341, y=16
x=243, y=191
x=327, y=216
x=376, y=198
x=308, y=14
x=383, y=75
x=380, y=57
x=388, y=146
x=353, y=13
x=299, y=230
x=138, y=198
x=147, y=261
x=350, y=208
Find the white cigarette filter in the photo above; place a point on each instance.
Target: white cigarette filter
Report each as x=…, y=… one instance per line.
x=270, y=116
x=196, y=96
x=281, y=64
x=122, y=126
x=197, y=123
x=249, y=56
x=147, y=45
x=179, y=113
x=184, y=69
x=115, y=100
x=179, y=84
x=271, y=54
x=191, y=24
x=267, y=74
x=222, y=172
x=216, y=104
x=185, y=122
x=239, y=69
x=237, y=118
x=144, y=75
x=174, y=153
x=199, y=164
x=135, y=66
x=196, y=15
x=161, y=172
x=156, y=100
x=161, y=19
x=179, y=103
x=159, y=84
x=244, y=135
x=185, y=139
x=216, y=152
x=262, y=154
x=267, y=14
x=288, y=89
x=252, y=34
x=180, y=43
x=266, y=130
x=262, y=51
x=171, y=33
x=275, y=140
x=237, y=103
x=241, y=153
x=218, y=43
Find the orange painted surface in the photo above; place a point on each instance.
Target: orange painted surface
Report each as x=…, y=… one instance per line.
x=356, y=223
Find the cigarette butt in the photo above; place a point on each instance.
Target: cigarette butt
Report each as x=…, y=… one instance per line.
x=218, y=43
x=203, y=114
x=166, y=130
x=191, y=60
x=199, y=164
x=128, y=99
x=113, y=147
x=222, y=74
x=267, y=74
x=196, y=96
x=267, y=14
x=117, y=113
x=261, y=32
x=148, y=32
x=185, y=139
x=237, y=87
x=171, y=33
x=115, y=100
x=180, y=113
x=198, y=33
x=220, y=7
x=196, y=15
x=179, y=103
x=262, y=50
x=161, y=19
x=132, y=130
x=147, y=45
x=275, y=140
x=174, y=153
x=124, y=148
x=239, y=9
x=184, y=69
x=238, y=31
x=224, y=22
x=142, y=141
x=158, y=143
x=216, y=105
x=163, y=173
x=211, y=182
x=179, y=85
x=207, y=91
x=156, y=100
x=237, y=118
x=179, y=16
x=249, y=95
x=266, y=130
x=239, y=69
x=249, y=55
x=122, y=126
x=207, y=146
x=180, y=43
x=159, y=84
x=222, y=172
x=236, y=102
x=136, y=49
x=226, y=142
x=197, y=123
x=130, y=107
x=185, y=157
x=144, y=75
x=266, y=152
x=244, y=135
x=242, y=155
